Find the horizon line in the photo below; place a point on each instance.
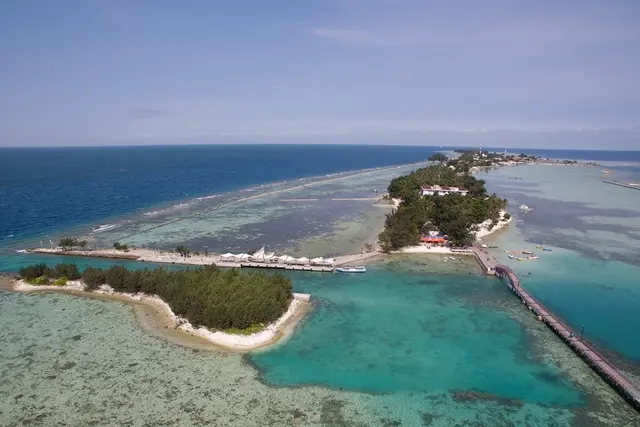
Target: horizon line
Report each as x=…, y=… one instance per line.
x=30, y=147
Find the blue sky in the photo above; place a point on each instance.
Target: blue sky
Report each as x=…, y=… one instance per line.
x=498, y=72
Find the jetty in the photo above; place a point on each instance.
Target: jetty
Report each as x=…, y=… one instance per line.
x=487, y=262
x=249, y=261
x=628, y=390
x=632, y=185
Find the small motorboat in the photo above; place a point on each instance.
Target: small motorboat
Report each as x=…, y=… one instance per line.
x=104, y=227
x=352, y=269
x=546, y=249
x=445, y=259
x=511, y=256
x=525, y=208
x=452, y=258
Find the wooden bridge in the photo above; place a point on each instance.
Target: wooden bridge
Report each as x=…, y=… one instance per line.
x=629, y=391
x=486, y=261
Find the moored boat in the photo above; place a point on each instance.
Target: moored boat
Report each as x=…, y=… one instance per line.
x=352, y=269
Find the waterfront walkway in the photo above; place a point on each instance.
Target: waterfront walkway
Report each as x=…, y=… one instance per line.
x=593, y=358
x=486, y=261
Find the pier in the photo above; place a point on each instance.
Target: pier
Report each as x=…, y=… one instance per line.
x=628, y=390
x=147, y=255
x=631, y=185
x=487, y=262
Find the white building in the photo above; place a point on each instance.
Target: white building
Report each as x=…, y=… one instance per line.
x=436, y=190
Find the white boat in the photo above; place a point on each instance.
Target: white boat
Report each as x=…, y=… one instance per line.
x=452, y=258
x=445, y=259
x=525, y=208
x=353, y=269
x=104, y=227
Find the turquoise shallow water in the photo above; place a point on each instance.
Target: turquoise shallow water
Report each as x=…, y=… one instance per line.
x=387, y=332
x=397, y=346
x=590, y=278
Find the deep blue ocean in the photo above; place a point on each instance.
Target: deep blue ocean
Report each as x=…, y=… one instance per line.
x=47, y=189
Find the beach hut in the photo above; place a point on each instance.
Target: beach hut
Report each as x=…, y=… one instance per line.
x=302, y=261
x=317, y=261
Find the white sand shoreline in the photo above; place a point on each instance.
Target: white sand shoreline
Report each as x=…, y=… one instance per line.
x=483, y=231
x=271, y=334
x=483, y=228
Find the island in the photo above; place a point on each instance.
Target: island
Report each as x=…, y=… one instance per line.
x=442, y=203
x=233, y=309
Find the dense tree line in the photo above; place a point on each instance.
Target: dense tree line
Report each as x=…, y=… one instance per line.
x=452, y=215
x=438, y=157
x=206, y=296
x=33, y=272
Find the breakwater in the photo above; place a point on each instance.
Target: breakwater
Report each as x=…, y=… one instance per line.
x=631, y=185
x=628, y=390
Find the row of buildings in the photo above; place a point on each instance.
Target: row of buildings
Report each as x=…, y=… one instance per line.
x=437, y=190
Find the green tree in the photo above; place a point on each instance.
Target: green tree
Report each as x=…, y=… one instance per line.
x=182, y=250
x=93, y=278
x=67, y=243
x=70, y=271
x=438, y=157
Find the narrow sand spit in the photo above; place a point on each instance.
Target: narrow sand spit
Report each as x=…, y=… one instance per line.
x=156, y=317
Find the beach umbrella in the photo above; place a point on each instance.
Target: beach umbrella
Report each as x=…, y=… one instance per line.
x=286, y=259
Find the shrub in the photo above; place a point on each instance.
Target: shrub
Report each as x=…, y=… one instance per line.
x=116, y=277
x=507, y=216
x=68, y=242
x=70, y=271
x=42, y=280
x=31, y=272
x=120, y=247
x=60, y=281
x=93, y=278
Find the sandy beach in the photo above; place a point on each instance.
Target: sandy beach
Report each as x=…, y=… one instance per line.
x=163, y=322
x=483, y=228
x=483, y=231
